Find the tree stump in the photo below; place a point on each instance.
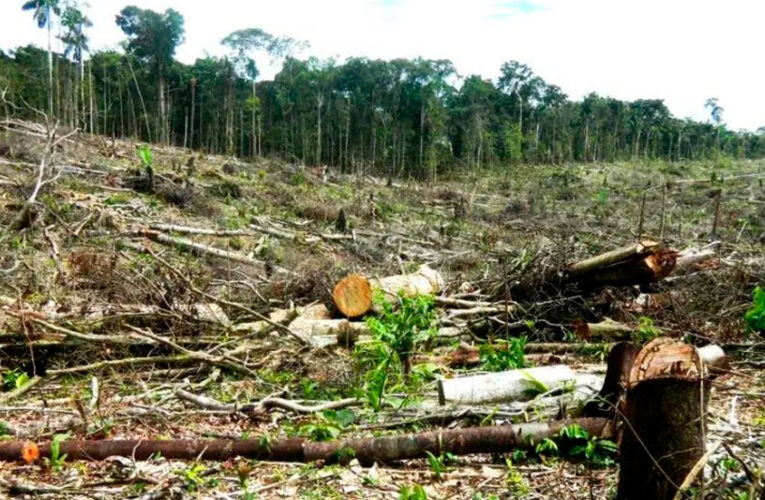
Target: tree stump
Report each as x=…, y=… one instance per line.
x=665, y=414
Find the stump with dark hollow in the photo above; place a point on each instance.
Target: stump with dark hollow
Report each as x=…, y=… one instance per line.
x=664, y=426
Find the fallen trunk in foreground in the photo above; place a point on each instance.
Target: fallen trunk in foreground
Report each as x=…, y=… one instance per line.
x=665, y=412
x=490, y=439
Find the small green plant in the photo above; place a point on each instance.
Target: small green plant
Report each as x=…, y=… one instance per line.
x=494, y=359
x=56, y=457
x=601, y=197
x=514, y=480
x=537, y=386
x=145, y=155
x=439, y=464
x=412, y=492
x=395, y=333
x=297, y=179
x=546, y=447
x=755, y=316
x=646, y=331
x=320, y=430
x=192, y=476
x=577, y=442
x=14, y=379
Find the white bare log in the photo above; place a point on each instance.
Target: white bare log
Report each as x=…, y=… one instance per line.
x=512, y=385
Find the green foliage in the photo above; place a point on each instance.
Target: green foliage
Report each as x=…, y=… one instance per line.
x=602, y=196
x=439, y=464
x=646, y=330
x=145, y=155
x=577, y=442
x=546, y=447
x=412, y=492
x=14, y=379
x=192, y=476
x=755, y=316
x=511, y=358
x=395, y=334
x=538, y=387
x=56, y=457
x=514, y=480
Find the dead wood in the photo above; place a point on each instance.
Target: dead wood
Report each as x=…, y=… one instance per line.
x=353, y=295
x=665, y=420
x=490, y=439
x=636, y=264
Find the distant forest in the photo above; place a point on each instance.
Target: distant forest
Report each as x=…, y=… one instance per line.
x=414, y=118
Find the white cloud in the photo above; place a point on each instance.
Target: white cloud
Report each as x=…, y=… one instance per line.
x=683, y=51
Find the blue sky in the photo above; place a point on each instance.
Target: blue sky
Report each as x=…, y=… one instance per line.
x=682, y=51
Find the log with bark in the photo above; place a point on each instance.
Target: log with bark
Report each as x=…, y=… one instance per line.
x=665, y=420
x=488, y=439
x=354, y=294
x=636, y=264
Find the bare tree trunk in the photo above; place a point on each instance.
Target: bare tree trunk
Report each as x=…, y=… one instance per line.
x=193, y=83
x=319, y=103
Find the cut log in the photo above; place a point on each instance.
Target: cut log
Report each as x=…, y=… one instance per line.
x=665, y=413
x=353, y=295
x=629, y=252
x=489, y=439
x=636, y=264
x=606, y=329
x=513, y=385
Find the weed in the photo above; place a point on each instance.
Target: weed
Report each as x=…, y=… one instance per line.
x=514, y=480
x=321, y=430
x=497, y=360
x=145, y=155
x=578, y=443
x=755, y=316
x=439, y=464
x=14, y=379
x=192, y=476
x=412, y=492
x=646, y=331
x=56, y=457
x=395, y=332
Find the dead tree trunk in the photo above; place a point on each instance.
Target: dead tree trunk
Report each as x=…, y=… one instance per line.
x=665, y=414
x=636, y=264
x=489, y=439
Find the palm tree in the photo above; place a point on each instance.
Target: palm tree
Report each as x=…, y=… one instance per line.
x=44, y=10
x=76, y=41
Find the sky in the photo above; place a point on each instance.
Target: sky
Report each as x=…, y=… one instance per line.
x=682, y=51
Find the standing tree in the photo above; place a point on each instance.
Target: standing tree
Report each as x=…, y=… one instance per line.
x=716, y=112
x=75, y=40
x=44, y=10
x=246, y=41
x=153, y=38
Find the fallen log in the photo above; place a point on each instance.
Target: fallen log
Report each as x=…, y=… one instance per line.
x=608, y=329
x=636, y=264
x=354, y=294
x=665, y=420
x=691, y=257
x=489, y=439
x=512, y=385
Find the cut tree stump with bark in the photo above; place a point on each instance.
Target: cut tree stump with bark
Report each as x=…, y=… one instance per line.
x=635, y=264
x=354, y=294
x=665, y=420
x=488, y=439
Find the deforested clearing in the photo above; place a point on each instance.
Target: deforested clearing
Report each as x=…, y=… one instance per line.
x=367, y=280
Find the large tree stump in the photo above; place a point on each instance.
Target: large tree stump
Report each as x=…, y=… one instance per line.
x=665, y=415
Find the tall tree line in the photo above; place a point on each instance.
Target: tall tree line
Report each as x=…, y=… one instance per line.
x=403, y=117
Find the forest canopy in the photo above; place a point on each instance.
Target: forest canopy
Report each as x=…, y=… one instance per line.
x=403, y=117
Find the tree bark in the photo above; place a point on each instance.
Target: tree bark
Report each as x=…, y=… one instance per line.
x=489, y=439
x=665, y=415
